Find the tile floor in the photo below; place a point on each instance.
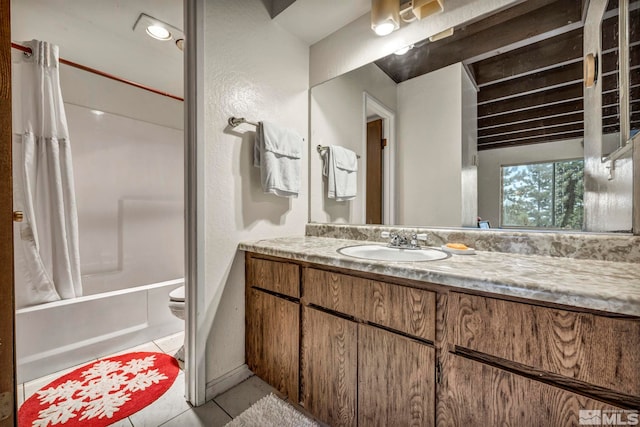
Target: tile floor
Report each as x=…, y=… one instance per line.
x=171, y=409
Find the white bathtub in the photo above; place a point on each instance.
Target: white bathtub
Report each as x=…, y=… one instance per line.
x=61, y=334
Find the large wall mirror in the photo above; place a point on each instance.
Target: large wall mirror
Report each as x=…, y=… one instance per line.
x=486, y=121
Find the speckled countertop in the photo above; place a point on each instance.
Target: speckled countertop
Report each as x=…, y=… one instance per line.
x=599, y=285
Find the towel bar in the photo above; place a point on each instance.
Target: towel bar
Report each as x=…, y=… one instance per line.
x=324, y=147
x=236, y=121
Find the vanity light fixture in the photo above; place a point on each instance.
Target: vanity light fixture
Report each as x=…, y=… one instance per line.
x=423, y=8
x=590, y=70
x=385, y=16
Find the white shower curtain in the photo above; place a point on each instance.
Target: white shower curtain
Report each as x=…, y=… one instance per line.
x=47, y=253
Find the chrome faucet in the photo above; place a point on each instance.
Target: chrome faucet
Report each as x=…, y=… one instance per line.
x=402, y=241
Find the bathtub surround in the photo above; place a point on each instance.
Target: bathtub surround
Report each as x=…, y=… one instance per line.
x=128, y=169
x=587, y=246
x=111, y=321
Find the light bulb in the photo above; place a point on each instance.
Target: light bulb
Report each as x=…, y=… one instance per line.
x=385, y=28
x=158, y=32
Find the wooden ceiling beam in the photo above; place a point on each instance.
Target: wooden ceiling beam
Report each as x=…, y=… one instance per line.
x=561, y=136
x=613, y=97
x=549, y=79
x=558, y=51
x=573, y=92
x=610, y=30
x=614, y=108
x=540, y=123
x=530, y=133
x=471, y=45
x=544, y=112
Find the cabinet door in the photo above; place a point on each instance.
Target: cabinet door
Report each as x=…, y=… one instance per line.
x=272, y=340
x=482, y=395
x=396, y=380
x=329, y=367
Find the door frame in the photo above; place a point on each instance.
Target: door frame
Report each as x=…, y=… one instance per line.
x=194, y=105
x=7, y=310
x=388, y=116
x=195, y=343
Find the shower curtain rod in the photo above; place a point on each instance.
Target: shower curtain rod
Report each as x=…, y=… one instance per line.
x=26, y=49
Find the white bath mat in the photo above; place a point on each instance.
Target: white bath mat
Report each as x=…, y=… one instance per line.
x=271, y=412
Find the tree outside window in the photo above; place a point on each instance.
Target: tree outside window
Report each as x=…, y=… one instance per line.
x=543, y=195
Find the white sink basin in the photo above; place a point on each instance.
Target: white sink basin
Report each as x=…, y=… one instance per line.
x=385, y=253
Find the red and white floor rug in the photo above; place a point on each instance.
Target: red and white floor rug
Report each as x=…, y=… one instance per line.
x=102, y=392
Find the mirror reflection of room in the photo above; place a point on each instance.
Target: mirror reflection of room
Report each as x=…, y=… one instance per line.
x=485, y=124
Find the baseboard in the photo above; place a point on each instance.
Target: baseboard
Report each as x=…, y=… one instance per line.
x=229, y=380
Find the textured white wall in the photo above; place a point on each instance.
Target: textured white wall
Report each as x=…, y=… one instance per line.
x=430, y=149
x=490, y=162
x=469, y=140
x=254, y=69
x=355, y=45
x=337, y=115
x=99, y=34
x=608, y=204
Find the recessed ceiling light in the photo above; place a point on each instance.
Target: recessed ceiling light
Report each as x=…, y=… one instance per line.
x=158, y=32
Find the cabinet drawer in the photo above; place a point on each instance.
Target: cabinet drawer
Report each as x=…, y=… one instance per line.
x=404, y=309
x=595, y=349
x=274, y=276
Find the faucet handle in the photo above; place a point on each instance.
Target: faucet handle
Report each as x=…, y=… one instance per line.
x=421, y=236
x=385, y=234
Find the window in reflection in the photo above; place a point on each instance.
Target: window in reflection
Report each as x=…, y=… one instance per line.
x=543, y=195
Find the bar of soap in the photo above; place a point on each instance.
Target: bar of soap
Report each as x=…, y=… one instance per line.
x=459, y=246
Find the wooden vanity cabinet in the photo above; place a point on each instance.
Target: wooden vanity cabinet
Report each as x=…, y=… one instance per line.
x=478, y=394
x=396, y=379
x=272, y=322
x=329, y=363
x=354, y=372
x=357, y=351
x=522, y=364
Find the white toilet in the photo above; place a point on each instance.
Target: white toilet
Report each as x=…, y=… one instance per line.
x=176, y=305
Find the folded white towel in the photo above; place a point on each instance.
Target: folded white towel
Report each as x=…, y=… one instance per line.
x=340, y=167
x=277, y=152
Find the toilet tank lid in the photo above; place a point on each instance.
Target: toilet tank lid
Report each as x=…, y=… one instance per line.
x=177, y=294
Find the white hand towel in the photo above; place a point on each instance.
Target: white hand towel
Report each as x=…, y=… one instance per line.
x=341, y=170
x=277, y=152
